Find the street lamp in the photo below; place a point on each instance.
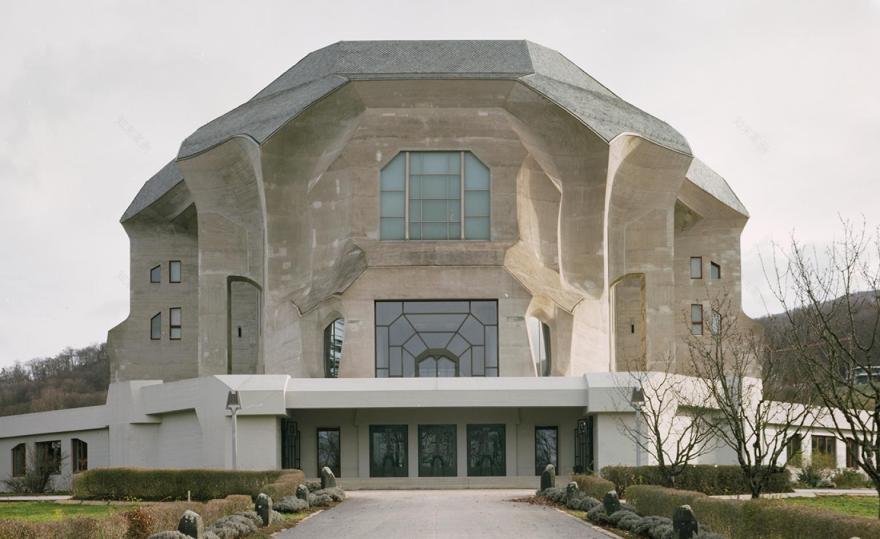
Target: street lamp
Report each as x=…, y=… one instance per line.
x=638, y=400
x=233, y=404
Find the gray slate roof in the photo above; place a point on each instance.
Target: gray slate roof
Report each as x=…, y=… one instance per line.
x=710, y=181
x=325, y=70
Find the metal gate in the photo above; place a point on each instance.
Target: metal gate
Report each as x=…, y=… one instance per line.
x=583, y=446
x=290, y=442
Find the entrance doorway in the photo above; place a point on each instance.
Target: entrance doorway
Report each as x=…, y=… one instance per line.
x=584, y=457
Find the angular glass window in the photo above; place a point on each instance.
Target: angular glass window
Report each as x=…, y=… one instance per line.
x=334, y=334
x=174, y=271
x=49, y=456
x=434, y=196
x=696, y=319
x=824, y=449
x=437, y=451
x=79, y=455
x=793, y=451
x=714, y=271
x=546, y=444
x=156, y=274
x=539, y=340
x=436, y=338
x=329, y=450
x=388, y=451
x=487, y=453
x=156, y=327
x=174, y=326
x=19, y=460
x=696, y=267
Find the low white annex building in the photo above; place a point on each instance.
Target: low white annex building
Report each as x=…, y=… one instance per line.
x=418, y=263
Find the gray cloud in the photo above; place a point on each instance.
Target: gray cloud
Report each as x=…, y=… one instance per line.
x=779, y=97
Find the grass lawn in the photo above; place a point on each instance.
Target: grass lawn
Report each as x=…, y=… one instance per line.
x=858, y=506
x=44, y=511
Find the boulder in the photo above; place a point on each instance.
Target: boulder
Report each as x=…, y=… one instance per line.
x=263, y=507
x=328, y=480
x=572, y=490
x=302, y=492
x=684, y=522
x=548, y=477
x=611, y=502
x=191, y=525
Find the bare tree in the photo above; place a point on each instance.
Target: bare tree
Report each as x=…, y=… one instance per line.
x=830, y=329
x=669, y=427
x=738, y=377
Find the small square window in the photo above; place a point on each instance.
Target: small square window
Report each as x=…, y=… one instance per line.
x=174, y=325
x=174, y=271
x=156, y=327
x=714, y=271
x=156, y=274
x=696, y=267
x=696, y=319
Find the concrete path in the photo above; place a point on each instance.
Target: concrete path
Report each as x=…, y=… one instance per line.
x=408, y=514
x=35, y=498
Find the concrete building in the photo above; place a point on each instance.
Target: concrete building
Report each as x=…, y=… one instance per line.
x=420, y=263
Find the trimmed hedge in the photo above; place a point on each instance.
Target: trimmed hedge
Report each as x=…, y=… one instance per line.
x=593, y=485
x=708, y=479
x=753, y=519
x=168, y=484
x=135, y=524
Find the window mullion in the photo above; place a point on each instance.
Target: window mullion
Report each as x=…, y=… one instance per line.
x=461, y=195
x=406, y=198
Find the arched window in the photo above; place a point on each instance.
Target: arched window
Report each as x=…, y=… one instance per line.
x=334, y=334
x=436, y=364
x=539, y=338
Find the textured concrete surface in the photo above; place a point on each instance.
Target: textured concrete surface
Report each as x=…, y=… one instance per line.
x=442, y=513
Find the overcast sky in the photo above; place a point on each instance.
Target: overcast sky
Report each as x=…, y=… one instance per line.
x=781, y=98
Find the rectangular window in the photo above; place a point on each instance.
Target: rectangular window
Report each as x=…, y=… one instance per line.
x=156, y=327
x=696, y=319
x=824, y=451
x=714, y=271
x=329, y=450
x=388, y=451
x=852, y=453
x=696, y=267
x=156, y=274
x=487, y=453
x=79, y=455
x=434, y=196
x=174, y=326
x=19, y=460
x=49, y=456
x=793, y=451
x=174, y=271
x=546, y=446
x=436, y=338
x=437, y=451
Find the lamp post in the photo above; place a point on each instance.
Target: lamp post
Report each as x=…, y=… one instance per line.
x=233, y=404
x=638, y=400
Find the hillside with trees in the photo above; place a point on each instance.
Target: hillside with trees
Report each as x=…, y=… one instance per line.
x=70, y=379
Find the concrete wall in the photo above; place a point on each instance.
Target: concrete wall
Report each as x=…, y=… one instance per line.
x=98, y=453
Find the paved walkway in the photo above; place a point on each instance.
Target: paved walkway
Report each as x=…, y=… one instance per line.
x=408, y=514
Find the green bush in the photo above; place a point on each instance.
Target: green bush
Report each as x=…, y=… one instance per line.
x=850, y=479
x=593, y=485
x=168, y=484
x=708, y=479
x=753, y=519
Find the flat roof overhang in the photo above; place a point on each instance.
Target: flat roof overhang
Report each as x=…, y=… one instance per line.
x=317, y=393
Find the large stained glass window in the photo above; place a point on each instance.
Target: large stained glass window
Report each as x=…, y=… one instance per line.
x=388, y=451
x=434, y=196
x=436, y=338
x=328, y=450
x=486, y=450
x=437, y=454
x=546, y=445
